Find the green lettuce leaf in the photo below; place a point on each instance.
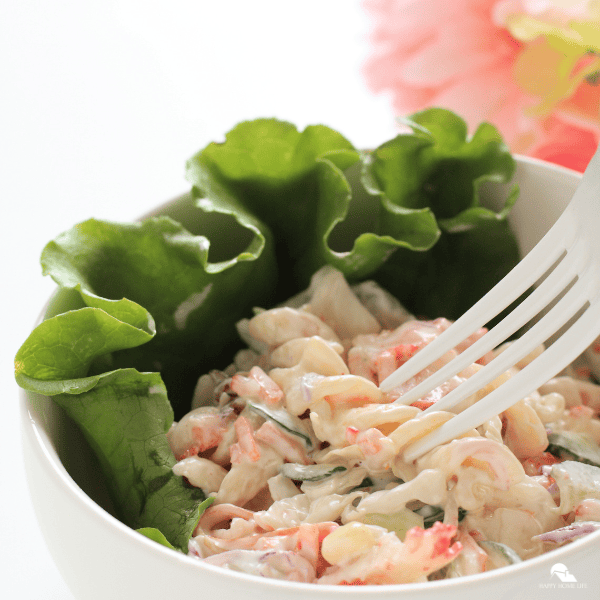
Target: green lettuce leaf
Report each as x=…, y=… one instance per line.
x=156, y=536
x=59, y=351
x=422, y=226
x=84, y=357
x=155, y=276
x=394, y=228
x=281, y=176
x=296, y=184
x=125, y=416
x=440, y=169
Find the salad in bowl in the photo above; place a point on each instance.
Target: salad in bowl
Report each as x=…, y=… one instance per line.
x=221, y=360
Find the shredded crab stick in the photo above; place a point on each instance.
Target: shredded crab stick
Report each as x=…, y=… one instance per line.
x=366, y=554
x=303, y=453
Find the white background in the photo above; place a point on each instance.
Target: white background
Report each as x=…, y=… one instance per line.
x=101, y=104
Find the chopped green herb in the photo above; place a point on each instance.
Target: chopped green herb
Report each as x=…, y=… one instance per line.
x=569, y=445
x=299, y=472
x=282, y=418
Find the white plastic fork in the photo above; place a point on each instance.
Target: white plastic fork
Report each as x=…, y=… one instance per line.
x=565, y=264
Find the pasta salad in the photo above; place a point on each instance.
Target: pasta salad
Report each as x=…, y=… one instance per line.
x=301, y=454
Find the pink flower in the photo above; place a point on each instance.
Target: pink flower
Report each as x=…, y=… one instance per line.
x=496, y=61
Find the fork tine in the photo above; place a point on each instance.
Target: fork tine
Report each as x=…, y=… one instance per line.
x=555, y=283
x=539, y=260
x=549, y=324
x=555, y=358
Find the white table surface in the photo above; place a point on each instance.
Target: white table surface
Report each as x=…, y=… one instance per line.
x=101, y=104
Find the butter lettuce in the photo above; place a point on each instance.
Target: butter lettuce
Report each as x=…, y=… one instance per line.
x=296, y=184
x=439, y=168
x=155, y=281
x=153, y=304
x=423, y=235
x=125, y=415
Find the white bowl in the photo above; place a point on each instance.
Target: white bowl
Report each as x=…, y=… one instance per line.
x=101, y=558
